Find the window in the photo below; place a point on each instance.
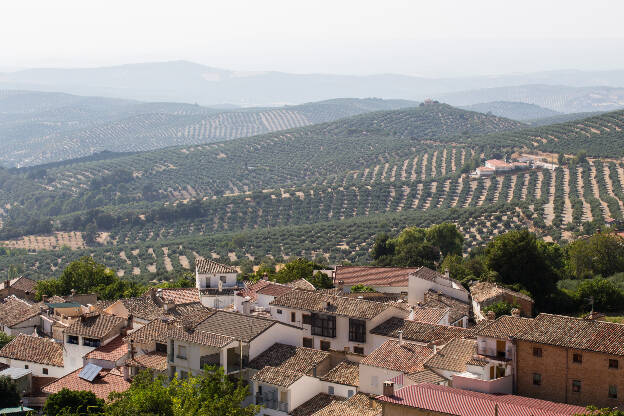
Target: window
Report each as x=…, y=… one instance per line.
x=72, y=339
x=350, y=393
x=26, y=366
x=44, y=371
x=181, y=352
x=223, y=279
x=613, y=391
x=161, y=347
x=293, y=317
x=614, y=364
x=91, y=342
x=325, y=345
x=283, y=396
x=324, y=325
x=357, y=330
x=330, y=390
x=577, y=358
x=306, y=319
x=183, y=375
x=308, y=342
x=279, y=311
x=358, y=350
x=576, y=386
x=537, y=352
x=537, y=379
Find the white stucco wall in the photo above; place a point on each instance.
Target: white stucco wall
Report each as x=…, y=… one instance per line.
x=37, y=369
x=372, y=378
x=418, y=287
x=339, y=389
x=27, y=327
x=283, y=334
x=211, y=280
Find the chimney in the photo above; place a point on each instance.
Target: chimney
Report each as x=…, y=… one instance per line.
x=388, y=388
x=131, y=349
x=400, y=337
x=265, y=276
x=515, y=312
x=168, y=305
x=130, y=321
x=447, y=274
x=341, y=285
x=490, y=316
x=73, y=293
x=435, y=349
x=220, y=286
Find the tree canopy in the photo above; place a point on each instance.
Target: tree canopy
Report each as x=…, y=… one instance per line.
x=73, y=402
x=9, y=396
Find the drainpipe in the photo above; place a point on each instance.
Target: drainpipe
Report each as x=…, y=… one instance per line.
x=240, y=366
x=514, y=366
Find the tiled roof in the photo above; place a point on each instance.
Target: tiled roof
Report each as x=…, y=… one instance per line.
x=103, y=385
x=95, y=325
x=426, y=376
x=277, y=376
x=205, y=266
x=153, y=360
x=151, y=306
x=178, y=296
x=419, y=331
x=154, y=331
x=24, y=284
x=506, y=327
x=338, y=305
x=373, y=276
x=429, y=314
x=406, y=357
x=458, y=310
x=484, y=291
x=288, y=357
x=14, y=311
x=235, y=325
x=301, y=284
x=112, y=351
x=569, y=332
x=34, y=349
x=478, y=362
x=453, y=356
x=198, y=336
x=346, y=372
x=313, y=405
x=264, y=287
x=325, y=405
x=447, y=400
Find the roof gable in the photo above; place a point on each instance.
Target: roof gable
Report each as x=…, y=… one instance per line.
x=14, y=311
x=374, y=276
x=206, y=266
x=419, y=331
x=34, y=349
x=406, y=357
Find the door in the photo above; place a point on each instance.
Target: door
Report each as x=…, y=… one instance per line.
x=492, y=373
x=500, y=349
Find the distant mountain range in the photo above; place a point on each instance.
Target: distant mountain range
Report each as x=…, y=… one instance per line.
x=188, y=82
x=513, y=110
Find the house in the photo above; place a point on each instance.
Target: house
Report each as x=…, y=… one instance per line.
x=102, y=382
x=424, y=279
x=44, y=357
x=343, y=380
x=216, y=282
x=110, y=355
x=256, y=297
x=429, y=399
x=22, y=377
x=459, y=311
x=147, y=347
x=381, y=279
x=482, y=171
x=571, y=360
x=284, y=377
x=391, y=359
x=498, y=165
x=326, y=405
x=223, y=338
x=18, y=316
x=21, y=287
x=57, y=314
x=485, y=294
x=423, y=333
x=333, y=322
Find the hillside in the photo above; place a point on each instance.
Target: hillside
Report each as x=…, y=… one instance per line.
x=41, y=127
x=513, y=110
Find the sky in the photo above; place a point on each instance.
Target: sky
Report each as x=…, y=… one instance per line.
x=428, y=38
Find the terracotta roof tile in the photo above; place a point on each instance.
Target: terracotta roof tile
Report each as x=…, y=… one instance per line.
x=326, y=405
x=426, y=376
x=406, y=357
x=313, y=405
x=420, y=331
x=484, y=291
x=505, y=327
x=288, y=357
x=14, y=311
x=112, y=351
x=34, y=349
x=429, y=314
x=346, y=372
x=95, y=325
x=179, y=296
x=454, y=355
x=338, y=305
x=24, y=284
x=235, y=325
x=276, y=376
x=151, y=305
x=205, y=266
x=106, y=383
x=302, y=284
x=374, y=276
x=447, y=400
x=154, y=331
x=458, y=308
x=153, y=360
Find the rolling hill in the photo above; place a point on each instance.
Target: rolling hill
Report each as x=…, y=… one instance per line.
x=39, y=128
x=513, y=110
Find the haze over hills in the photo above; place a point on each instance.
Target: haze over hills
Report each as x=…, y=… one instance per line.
x=324, y=189
x=39, y=127
x=513, y=110
x=188, y=82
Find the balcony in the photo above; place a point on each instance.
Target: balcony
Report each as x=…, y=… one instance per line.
x=210, y=360
x=469, y=381
x=270, y=403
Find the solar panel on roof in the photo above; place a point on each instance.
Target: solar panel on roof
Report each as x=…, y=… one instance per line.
x=90, y=372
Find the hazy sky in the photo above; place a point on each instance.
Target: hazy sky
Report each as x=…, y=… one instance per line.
x=431, y=38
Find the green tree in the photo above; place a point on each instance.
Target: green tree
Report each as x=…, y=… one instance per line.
x=561, y=159
x=296, y=269
x=446, y=237
x=73, y=402
x=606, y=294
x=90, y=234
x=5, y=339
x=360, y=288
x=321, y=281
x=594, y=411
x=601, y=254
x=500, y=308
x=146, y=396
x=9, y=396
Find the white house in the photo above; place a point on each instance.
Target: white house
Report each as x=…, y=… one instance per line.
x=257, y=297
x=425, y=279
x=216, y=282
x=331, y=322
x=18, y=316
x=499, y=165
x=43, y=356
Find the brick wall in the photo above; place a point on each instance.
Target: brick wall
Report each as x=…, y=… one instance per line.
x=558, y=371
